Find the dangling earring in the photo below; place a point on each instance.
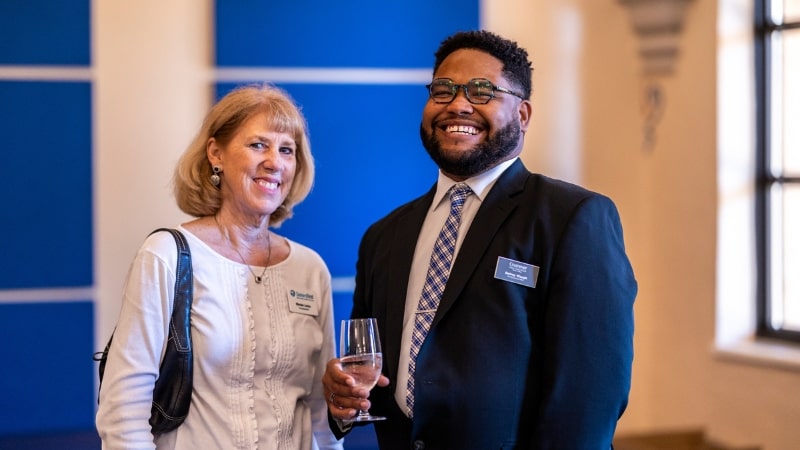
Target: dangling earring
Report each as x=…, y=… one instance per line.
x=215, y=175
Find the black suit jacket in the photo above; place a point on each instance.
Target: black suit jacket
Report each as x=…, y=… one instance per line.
x=505, y=365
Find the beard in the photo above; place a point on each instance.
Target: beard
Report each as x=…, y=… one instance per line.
x=482, y=157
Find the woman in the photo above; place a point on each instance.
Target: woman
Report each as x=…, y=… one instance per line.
x=259, y=352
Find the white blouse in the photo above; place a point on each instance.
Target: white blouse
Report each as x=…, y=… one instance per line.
x=259, y=352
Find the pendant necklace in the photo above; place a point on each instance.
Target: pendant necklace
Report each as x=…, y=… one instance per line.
x=258, y=278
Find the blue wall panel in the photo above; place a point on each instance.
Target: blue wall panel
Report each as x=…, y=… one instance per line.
x=369, y=160
x=54, y=32
x=353, y=33
x=46, y=219
x=47, y=380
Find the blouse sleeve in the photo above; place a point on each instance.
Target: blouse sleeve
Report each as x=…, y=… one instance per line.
x=324, y=438
x=138, y=344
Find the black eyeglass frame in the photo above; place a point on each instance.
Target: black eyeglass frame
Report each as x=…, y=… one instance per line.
x=454, y=90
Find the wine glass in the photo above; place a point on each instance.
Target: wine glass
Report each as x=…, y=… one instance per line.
x=361, y=357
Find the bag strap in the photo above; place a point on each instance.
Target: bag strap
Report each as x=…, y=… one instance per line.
x=172, y=392
x=180, y=325
x=180, y=331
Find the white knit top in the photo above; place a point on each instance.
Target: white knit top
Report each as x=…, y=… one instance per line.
x=259, y=352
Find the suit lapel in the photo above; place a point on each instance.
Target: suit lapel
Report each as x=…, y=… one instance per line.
x=401, y=256
x=494, y=210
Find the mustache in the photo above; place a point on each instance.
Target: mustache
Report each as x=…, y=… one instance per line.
x=496, y=148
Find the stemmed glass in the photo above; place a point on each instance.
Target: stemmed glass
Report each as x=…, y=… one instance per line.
x=361, y=357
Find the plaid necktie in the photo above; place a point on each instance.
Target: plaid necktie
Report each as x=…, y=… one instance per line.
x=435, y=281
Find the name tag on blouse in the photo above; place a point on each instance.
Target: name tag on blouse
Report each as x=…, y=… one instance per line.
x=516, y=272
x=303, y=303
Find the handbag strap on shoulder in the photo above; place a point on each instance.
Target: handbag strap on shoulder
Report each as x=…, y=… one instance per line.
x=184, y=292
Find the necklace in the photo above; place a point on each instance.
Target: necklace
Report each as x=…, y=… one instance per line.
x=258, y=278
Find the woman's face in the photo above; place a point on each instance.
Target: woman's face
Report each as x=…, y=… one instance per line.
x=258, y=167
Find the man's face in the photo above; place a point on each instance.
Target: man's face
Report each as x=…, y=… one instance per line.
x=465, y=139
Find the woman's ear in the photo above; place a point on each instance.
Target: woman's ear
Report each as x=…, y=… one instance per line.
x=213, y=151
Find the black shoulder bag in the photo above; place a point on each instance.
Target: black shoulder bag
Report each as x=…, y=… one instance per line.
x=173, y=389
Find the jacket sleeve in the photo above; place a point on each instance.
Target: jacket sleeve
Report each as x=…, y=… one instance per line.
x=339, y=429
x=589, y=332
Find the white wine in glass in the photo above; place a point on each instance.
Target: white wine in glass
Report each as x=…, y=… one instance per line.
x=361, y=357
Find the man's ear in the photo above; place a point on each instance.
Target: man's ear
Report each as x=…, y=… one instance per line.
x=525, y=111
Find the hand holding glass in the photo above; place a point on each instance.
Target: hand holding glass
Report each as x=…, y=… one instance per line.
x=361, y=357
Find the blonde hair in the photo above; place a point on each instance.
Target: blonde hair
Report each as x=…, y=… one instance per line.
x=193, y=190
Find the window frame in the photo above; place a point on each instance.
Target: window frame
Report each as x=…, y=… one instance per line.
x=765, y=180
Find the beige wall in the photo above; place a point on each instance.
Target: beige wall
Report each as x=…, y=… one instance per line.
x=152, y=78
x=152, y=74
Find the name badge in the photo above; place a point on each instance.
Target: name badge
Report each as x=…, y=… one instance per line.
x=303, y=303
x=516, y=272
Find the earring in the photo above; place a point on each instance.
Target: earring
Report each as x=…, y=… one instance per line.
x=215, y=175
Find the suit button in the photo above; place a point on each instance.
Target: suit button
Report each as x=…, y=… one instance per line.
x=418, y=445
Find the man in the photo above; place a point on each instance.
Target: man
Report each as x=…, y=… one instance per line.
x=530, y=343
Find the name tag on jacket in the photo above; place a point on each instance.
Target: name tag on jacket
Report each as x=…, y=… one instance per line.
x=516, y=272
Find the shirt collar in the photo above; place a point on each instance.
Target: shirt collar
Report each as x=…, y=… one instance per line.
x=480, y=184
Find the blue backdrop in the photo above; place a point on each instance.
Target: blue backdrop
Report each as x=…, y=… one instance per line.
x=364, y=137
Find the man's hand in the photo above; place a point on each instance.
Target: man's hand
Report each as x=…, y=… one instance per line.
x=344, y=399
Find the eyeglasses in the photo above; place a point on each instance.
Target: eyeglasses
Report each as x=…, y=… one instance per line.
x=477, y=90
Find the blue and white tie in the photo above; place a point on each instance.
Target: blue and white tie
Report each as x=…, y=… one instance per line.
x=435, y=280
